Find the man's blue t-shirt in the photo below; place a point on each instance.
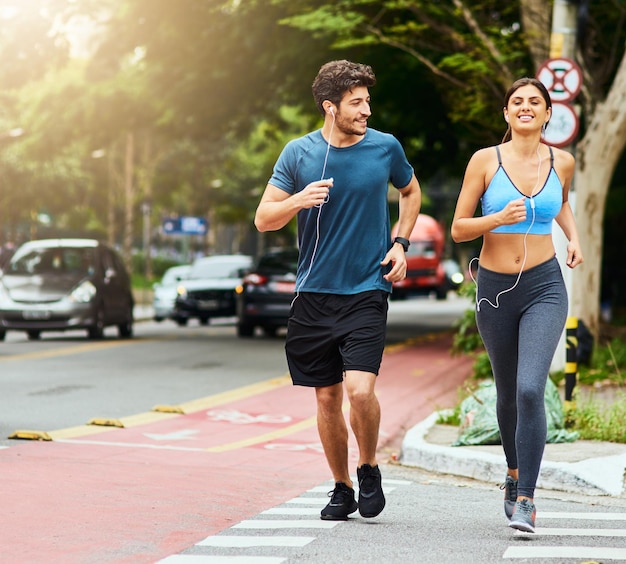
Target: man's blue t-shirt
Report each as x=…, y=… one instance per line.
x=343, y=241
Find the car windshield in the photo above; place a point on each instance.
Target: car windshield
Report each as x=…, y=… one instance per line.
x=279, y=263
x=424, y=249
x=59, y=260
x=218, y=269
x=174, y=275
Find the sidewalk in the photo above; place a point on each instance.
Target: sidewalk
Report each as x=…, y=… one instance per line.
x=587, y=467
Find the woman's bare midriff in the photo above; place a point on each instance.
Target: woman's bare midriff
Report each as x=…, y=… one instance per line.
x=504, y=252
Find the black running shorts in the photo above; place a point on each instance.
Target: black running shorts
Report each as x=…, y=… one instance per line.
x=328, y=334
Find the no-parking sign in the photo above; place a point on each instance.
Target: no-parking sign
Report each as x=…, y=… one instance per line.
x=562, y=77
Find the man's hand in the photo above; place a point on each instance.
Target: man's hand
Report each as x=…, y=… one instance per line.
x=397, y=258
x=314, y=194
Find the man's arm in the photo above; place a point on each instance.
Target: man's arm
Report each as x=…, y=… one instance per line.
x=277, y=207
x=409, y=208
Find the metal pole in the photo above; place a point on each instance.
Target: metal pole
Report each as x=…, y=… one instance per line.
x=563, y=45
x=571, y=356
x=563, y=36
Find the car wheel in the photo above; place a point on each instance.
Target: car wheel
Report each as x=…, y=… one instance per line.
x=204, y=321
x=245, y=330
x=96, y=331
x=125, y=330
x=181, y=321
x=33, y=334
x=3, y=334
x=442, y=293
x=270, y=331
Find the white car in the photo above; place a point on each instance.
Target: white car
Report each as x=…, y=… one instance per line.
x=165, y=291
x=209, y=290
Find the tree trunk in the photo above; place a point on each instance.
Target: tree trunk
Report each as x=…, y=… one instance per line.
x=129, y=203
x=597, y=156
x=536, y=16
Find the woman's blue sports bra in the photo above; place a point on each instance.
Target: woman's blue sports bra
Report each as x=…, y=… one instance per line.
x=548, y=201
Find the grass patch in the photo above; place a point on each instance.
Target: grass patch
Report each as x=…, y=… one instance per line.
x=597, y=420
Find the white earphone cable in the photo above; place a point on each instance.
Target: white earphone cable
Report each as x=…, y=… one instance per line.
x=496, y=305
x=319, y=213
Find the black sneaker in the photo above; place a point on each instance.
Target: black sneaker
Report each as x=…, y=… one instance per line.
x=371, y=498
x=524, y=516
x=341, y=503
x=510, y=495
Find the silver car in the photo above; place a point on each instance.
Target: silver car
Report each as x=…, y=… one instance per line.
x=165, y=291
x=63, y=284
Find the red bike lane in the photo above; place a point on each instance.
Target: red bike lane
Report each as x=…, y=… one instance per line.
x=166, y=481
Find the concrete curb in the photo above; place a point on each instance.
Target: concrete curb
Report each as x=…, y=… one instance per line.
x=602, y=475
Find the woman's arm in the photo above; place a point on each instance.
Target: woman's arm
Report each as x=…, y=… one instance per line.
x=565, y=165
x=466, y=227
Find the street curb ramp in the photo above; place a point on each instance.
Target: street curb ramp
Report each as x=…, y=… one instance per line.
x=599, y=476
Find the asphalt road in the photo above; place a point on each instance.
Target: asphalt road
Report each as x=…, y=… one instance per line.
x=241, y=477
x=63, y=379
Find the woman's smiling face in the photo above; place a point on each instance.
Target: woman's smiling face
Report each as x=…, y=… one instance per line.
x=527, y=108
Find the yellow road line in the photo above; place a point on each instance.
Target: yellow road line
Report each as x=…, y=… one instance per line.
x=65, y=351
x=267, y=436
x=186, y=407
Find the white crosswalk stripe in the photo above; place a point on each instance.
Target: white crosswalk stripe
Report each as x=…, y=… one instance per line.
x=309, y=505
x=612, y=544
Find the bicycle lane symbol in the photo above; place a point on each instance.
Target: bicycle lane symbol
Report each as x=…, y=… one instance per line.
x=240, y=418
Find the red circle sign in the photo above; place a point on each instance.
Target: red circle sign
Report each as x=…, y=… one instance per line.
x=562, y=77
x=563, y=126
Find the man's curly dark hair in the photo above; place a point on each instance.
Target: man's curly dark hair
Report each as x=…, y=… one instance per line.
x=336, y=78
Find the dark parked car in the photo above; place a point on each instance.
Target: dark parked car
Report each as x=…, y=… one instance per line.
x=63, y=284
x=265, y=295
x=209, y=289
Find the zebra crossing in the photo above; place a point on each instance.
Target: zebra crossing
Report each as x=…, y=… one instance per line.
x=305, y=514
x=615, y=535
x=275, y=535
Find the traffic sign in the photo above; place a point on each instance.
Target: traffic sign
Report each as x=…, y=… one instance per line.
x=563, y=126
x=562, y=77
x=186, y=225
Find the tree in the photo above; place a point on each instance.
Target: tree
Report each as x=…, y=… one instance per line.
x=602, y=57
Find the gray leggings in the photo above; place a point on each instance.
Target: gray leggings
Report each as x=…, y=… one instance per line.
x=521, y=337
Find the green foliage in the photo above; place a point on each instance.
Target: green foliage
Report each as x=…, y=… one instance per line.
x=596, y=420
x=608, y=364
x=159, y=266
x=467, y=339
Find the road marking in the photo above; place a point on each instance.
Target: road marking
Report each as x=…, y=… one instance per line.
x=278, y=433
x=285, y=524
x=309, y=500
x=156, y=416
x=182, y=435
x=326, y=489
x=129, y=445
x=293, y=510
x=226, y=541
x=580, y=532
x=575, y=552
x=52, y=353
x=583, y=516
x=199, y=559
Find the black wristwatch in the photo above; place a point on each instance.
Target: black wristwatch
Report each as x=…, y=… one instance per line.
x=404, y=242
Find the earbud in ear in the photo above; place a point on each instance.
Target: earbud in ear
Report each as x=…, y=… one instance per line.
x=332, y=112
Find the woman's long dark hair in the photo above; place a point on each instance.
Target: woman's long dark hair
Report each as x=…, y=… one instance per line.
x=525, y=81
